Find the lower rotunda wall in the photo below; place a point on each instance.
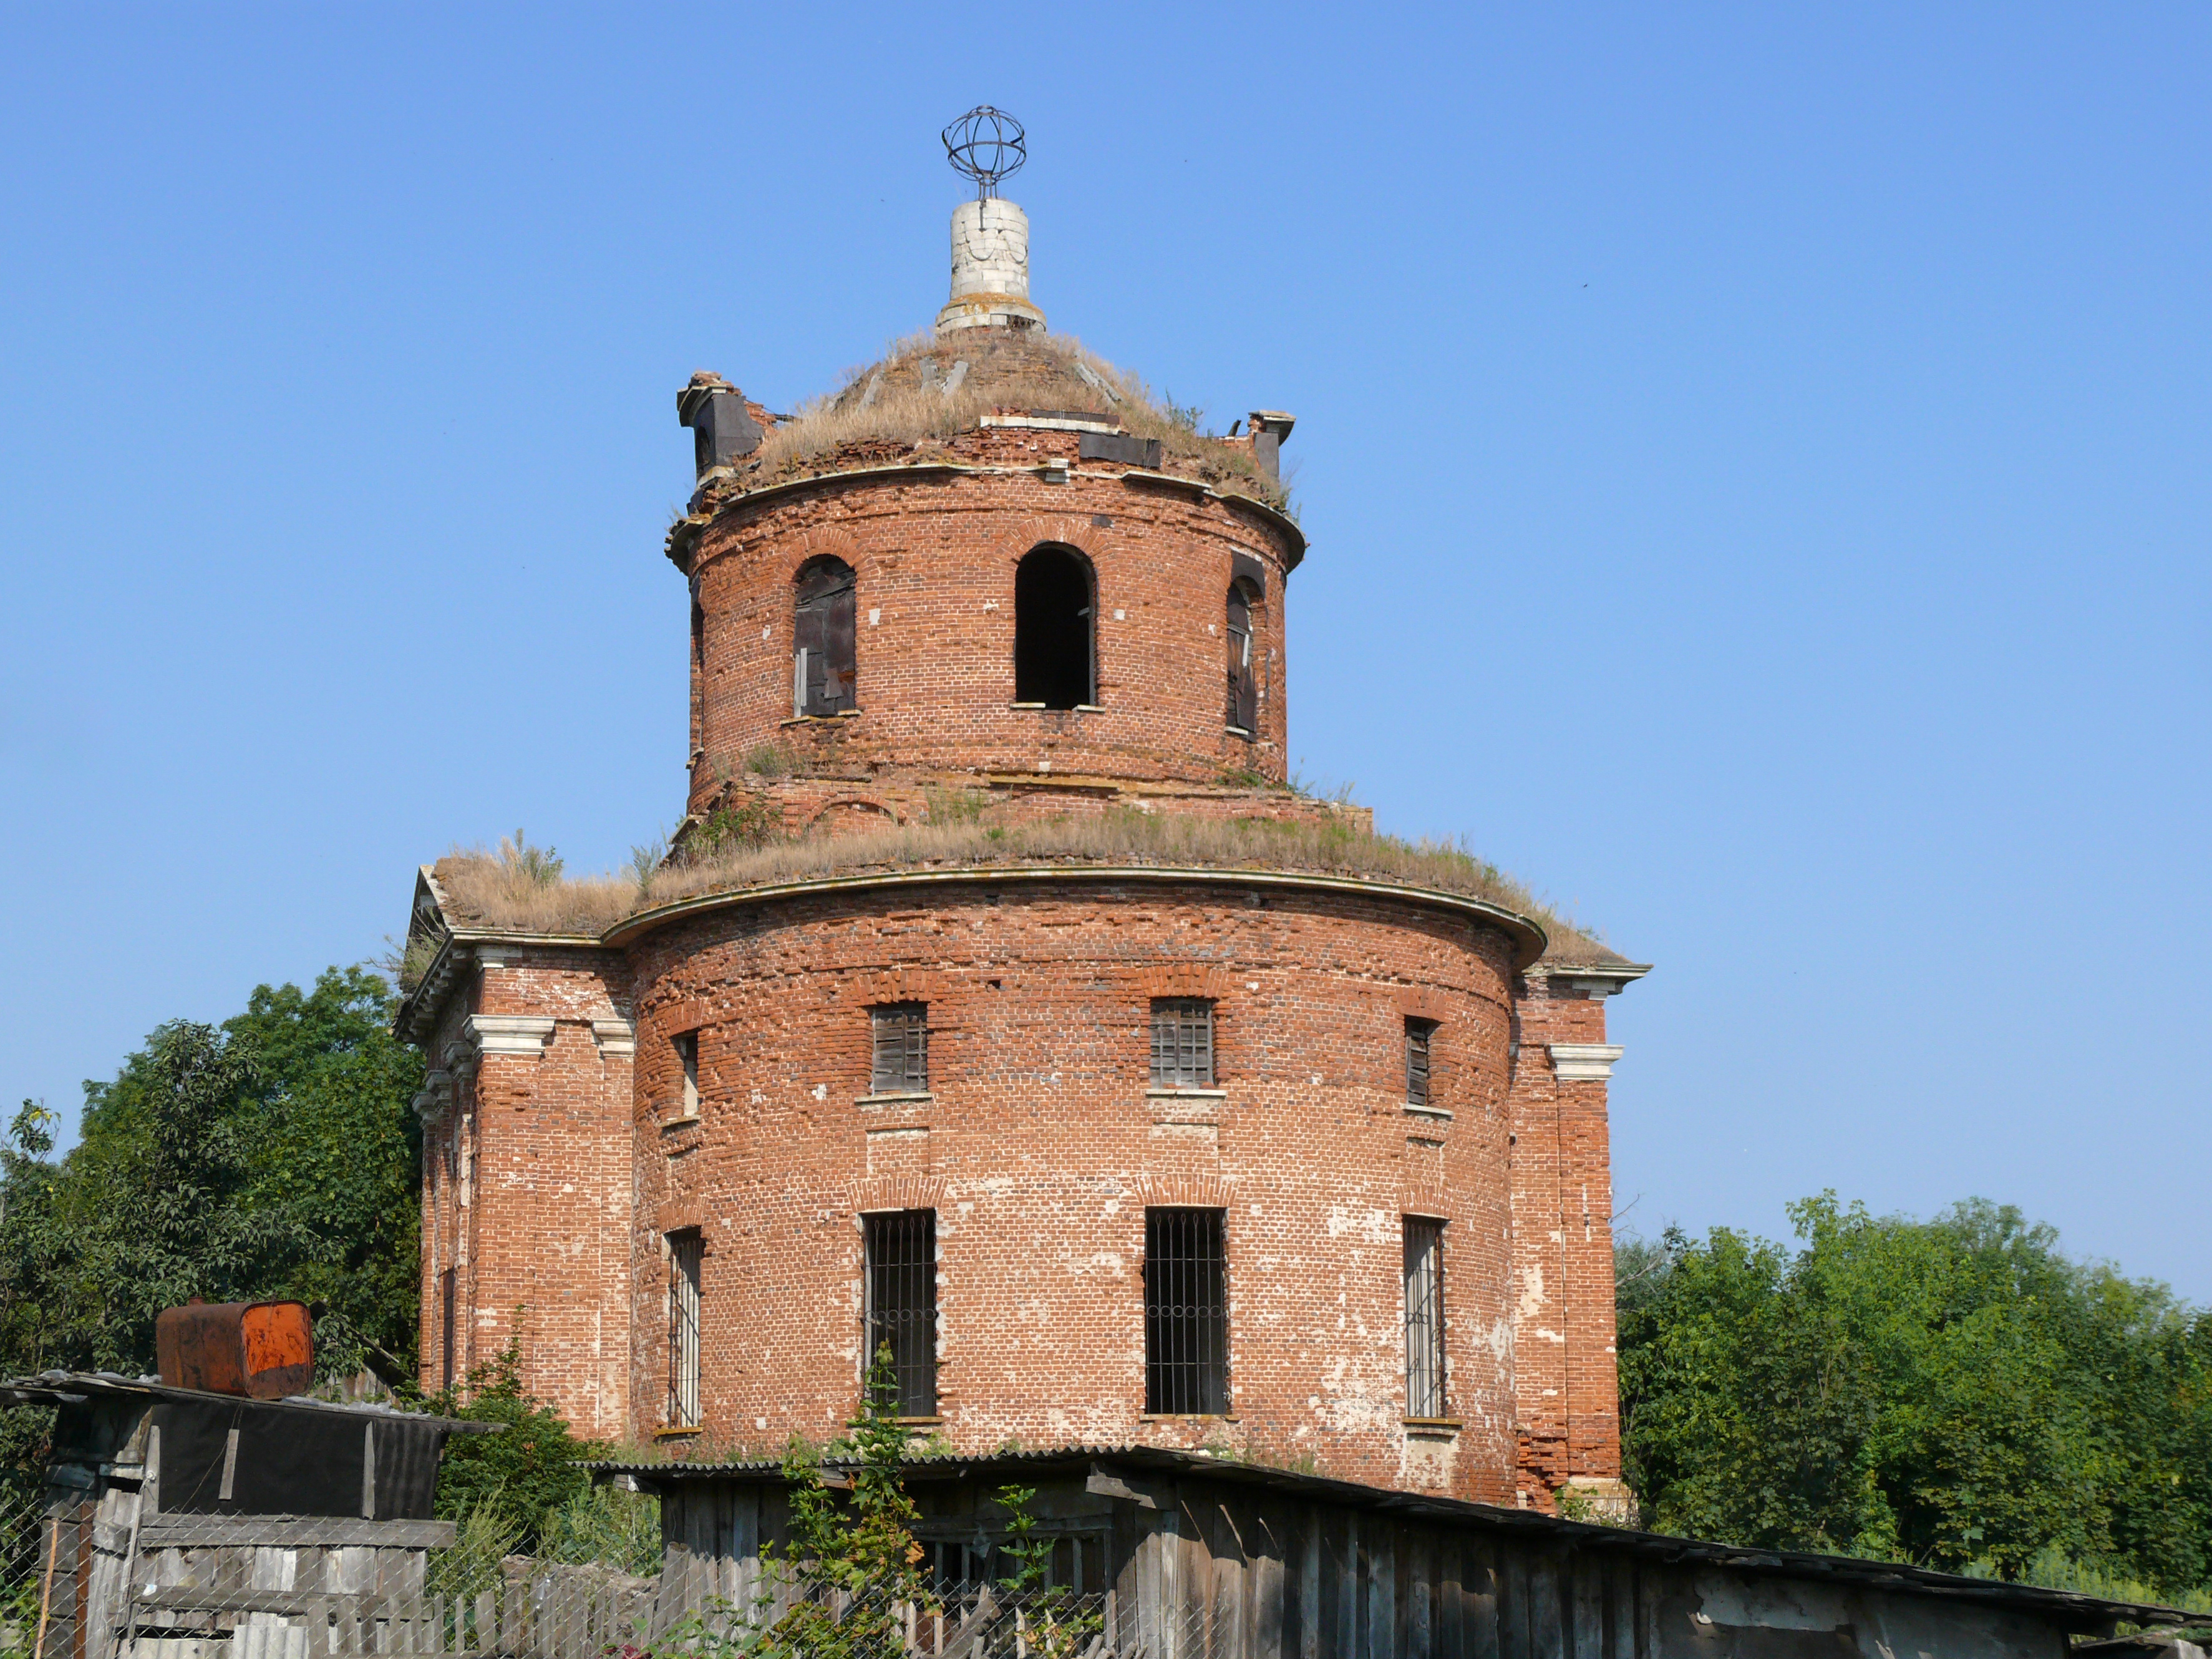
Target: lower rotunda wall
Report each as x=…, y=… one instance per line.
x=1041, y=1144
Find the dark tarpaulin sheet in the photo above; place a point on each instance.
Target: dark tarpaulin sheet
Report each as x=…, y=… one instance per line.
x=294, y=1462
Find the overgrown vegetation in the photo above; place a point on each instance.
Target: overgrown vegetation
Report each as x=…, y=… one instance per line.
x=899, y=410
x=1953, y=1393
x=274, y=1156
x=741, y=848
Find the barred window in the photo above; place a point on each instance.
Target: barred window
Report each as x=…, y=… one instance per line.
x=1418, y=1033
x=687, y=1052
x=902, y=1052
x=1425, y=1318
x=1182, y=1043
x=683, y=1254
x=450, y=1297
x=1186, y=1312
x=901, y=1272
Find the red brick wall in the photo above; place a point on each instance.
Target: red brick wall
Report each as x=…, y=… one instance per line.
x=934, y=557
x=528, y=1188
x=1568, y=1423
x=1041, y=1150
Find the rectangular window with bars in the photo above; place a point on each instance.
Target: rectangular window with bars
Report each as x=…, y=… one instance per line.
x=687, y=1054
x=901, y=1274
x=1418, y=1035
x=1182, y=1043
x=1186, y=1312
x=1425, y=1318
x=901, y=1064
x=685, y=1251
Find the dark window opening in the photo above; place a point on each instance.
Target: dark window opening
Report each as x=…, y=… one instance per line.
x=1186, y=1312
x=901, y=1064
x=959, y=1567
x=686, y=1045
x=1182, y=1043
x=823, y=674
x=1424, y=1317
x=1054, y=610
x=1418, y=1035
x=698, y=670
x=685, y=1252
x=450, y=1295
x=901, y=1310
x=1243, y=711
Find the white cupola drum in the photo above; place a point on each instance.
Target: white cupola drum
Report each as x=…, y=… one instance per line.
x=990, y=235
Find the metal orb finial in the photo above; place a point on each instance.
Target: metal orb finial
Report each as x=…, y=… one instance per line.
x=986, y=144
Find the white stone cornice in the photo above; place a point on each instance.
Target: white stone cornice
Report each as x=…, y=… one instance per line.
x=617, y=1039
x=511, y=1034
x=1584, y=1062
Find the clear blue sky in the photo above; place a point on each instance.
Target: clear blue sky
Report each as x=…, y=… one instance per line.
x=1756, y=462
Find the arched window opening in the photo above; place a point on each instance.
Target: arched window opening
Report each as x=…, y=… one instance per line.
x=1054, y=610
x=1244, y=713
x=823, y=674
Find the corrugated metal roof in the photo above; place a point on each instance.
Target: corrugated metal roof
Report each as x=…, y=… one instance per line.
x=2077, y=1611
x=73, y=1388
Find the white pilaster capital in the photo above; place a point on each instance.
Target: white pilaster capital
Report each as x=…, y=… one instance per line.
x=511, y=1034
x=617, y=1039
x=436, y=1097
x=1584, y=1062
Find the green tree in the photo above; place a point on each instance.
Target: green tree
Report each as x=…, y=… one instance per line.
x=1954, y=1392
x=526, y=1474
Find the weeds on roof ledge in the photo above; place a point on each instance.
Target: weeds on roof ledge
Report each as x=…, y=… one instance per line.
x=501, y=891
x=910, y=408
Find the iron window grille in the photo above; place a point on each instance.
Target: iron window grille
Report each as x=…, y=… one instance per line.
x=1186, y=1312
x=901, y=1066
x=900, y=1273
x=687, y=1052
x=1425, y=1318
x=684, y=1257
x=1182, y=1043
x=449, y=1295
x=1418, y=1035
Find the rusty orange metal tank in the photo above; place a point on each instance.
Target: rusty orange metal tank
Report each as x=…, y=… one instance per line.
x=263, y=1350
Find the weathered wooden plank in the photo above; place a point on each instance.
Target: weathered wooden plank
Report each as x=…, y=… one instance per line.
x=1382, y=1546
x=1548, y=1630
x=1479, y=1597
x=1270, y=1623
x=1309, y=1640
x=1513, y=1641
x=172, y=1531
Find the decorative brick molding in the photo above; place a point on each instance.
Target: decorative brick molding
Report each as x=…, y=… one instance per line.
x=1161, y=1189
x=674, y=1020
x=902, y=985
x=1423, y=1002
x=899, y=1192
x=1584, y=1062
x=1185, y=979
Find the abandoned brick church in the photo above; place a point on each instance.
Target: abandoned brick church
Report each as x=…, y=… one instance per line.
x=1002, y=1002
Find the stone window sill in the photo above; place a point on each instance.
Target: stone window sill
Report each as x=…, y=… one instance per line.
x=675, y=1434
x=1438, y=1112
x=817, y=720
x=896, y=1098
x=1236, y=731
x=1079, y=708
x=1189, y=1417
x=1186, y=1094
x=1434, y=1425
x=692, y=1122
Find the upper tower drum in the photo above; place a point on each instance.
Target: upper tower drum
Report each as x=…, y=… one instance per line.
x=990, y=553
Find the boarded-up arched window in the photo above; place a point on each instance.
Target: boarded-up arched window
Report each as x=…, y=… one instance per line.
x=1243, y=712
x=823, y=674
